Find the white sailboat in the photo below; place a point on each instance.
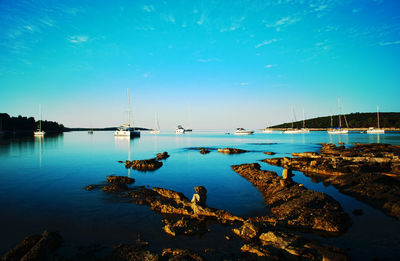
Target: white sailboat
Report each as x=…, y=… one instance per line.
x=292, y=130
x=125, y=130
x=179, y=130
x=338, y=130
x=378, y=130
x=39, y=132
x=157, y=126
x=304, y=129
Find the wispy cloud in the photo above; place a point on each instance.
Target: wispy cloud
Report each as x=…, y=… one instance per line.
x=148, y=8
x=209, y=60
x=266, y=42
x=77, y=39
x=283, y=22
x=389, y=43
x=244, y=83
x=268, y=66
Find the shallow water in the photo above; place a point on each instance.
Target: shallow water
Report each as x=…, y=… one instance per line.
x=42, y=181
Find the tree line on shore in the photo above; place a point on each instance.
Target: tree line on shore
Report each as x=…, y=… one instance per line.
x=20, y=123
x=354, y=120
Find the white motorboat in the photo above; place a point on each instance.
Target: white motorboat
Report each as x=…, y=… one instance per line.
x=39, y=132
x=179, y=130
x=378, y=130
x=126, y=130
x=241, y=131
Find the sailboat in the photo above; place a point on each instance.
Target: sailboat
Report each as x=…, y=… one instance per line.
x=378, y=130
x=39, y=132
x=338, y=130
x=304, y=129
x=180, y=130
x=292, y=130
x=157, y=126
x=125, y=130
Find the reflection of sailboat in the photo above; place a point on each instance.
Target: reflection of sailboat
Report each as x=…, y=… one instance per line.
x=157, y=126
x=39, y=132
x=125, y=129
x=378, y=130
x=122, y=142
x=339, y=129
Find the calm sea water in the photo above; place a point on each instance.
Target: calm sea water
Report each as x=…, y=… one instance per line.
x=42, y=181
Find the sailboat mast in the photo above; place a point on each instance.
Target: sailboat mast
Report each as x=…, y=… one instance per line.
x=40, y=121
x=340, y=121
x=129, y=107
x=377, y=111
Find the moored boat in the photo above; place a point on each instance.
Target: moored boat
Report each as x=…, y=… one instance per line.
x=241, y=131
x=179, y=130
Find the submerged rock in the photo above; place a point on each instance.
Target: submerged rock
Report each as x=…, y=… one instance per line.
x=232, y=151
x=269, y=153
x=35, y=247
x=294, y=205
x=204, y=151
x=120, y=180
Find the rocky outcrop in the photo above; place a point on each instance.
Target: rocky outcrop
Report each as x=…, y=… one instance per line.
x=232, y=151
x=276, y=245
x=293, y=205
x=144, y=165
x=136, y=252
x=204, y=151
x=184, y=226
x=180, y=255
x=35, y=247
x=147, y=164
x=269, y=153
x=162, y=156
x=366, y=172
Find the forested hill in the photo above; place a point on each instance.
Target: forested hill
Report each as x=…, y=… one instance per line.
x=21, y=123
x=354, y=120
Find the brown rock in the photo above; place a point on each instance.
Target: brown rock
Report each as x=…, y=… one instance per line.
x=162, y=156
x=232, y=151
x=180, y=255
x=146, y=165
x=35, y=247
x=120, y=180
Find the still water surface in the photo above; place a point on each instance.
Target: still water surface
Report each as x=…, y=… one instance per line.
x=42, y=181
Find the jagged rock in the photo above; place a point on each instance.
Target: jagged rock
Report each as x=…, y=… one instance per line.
x=247, y=231
x=278, y=239
x=200, y=197
x=293, y=204
x=180, y=255
x=269, y=153
x=161, y=156
x=261, y=251
x=124, y=252
x=185, y=226
x=35, y=247
x=232, y=151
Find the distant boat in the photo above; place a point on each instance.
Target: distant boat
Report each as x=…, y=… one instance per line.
x=339, y=129
x=241, y=131
x=157, y=126
x=179, y=130
x=267, y=130
x=304, y=129
x=125, y=130
x=292, y=130
x=39, y=132
x=378, y=130
x=90, y=131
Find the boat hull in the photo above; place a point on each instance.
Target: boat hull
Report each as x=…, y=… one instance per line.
x=127, y=133
x=244, y=133
x=375, y=131
x=338, y=131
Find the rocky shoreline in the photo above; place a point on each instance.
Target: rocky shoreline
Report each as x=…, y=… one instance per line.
x=367, y=172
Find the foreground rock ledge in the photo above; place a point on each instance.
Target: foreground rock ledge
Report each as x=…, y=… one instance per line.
x=367, y=172
x=293, y=205
x=147, y=164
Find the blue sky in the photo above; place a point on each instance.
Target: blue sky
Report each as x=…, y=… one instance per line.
x=203, y=64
